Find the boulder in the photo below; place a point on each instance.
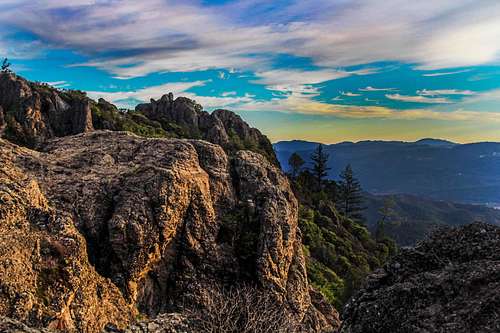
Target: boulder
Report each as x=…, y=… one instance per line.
x=448, y=283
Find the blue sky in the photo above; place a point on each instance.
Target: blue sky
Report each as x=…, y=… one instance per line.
x=323, y=70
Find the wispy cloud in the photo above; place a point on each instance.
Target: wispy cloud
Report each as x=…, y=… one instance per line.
x=445, y=92
x=297, y=81
x=446, y=73
x=417, y=99
x=349, y=94
x=129, y=99
x=59, y=84
x=369, y=88
x=306, y=105
x=134, y=38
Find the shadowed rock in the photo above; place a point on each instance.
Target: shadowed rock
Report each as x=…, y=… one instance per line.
x=449, y=283
x=36, y=112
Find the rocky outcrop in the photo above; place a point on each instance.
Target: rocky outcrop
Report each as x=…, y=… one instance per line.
x=31, y=113
x=449, y=283
x=222, y=127
x=35, y=112
x=45, y=277
x=125, y=225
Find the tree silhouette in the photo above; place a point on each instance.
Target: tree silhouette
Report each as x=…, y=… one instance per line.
x=387, y=213
x=295, y=162
x=5, y=66
x=320, y=168
x=350, y=196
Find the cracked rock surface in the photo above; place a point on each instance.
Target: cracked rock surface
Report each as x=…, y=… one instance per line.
x=100, y=227
x=448, y=283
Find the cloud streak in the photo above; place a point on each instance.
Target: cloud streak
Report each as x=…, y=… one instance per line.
x=448, y=92
x=370, y=88
x=134, y=38
x=417, y=99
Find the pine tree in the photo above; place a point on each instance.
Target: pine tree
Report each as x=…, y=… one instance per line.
x=295, y=162
x=350, y=202
x=320, y=168
x=387, y=213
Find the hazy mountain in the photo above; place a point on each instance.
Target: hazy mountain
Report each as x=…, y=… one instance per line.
x=432, y=168
x=436, y=142
x=414, y=217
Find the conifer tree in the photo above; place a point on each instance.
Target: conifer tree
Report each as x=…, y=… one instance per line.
x=320, y=167
x=387, y=213
x=350, y=202
x=295, y=162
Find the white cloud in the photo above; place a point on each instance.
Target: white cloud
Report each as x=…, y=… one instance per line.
x=124, y=98
x=417, y=99
x=426, y=92
x=446, y=73
x=370, y=88
x=287, y=80
x=300, y=102
x=156, y=35
x=349, y=94
x=222, y=75
x=229, y=93
x=297, y=103
x=59, y=84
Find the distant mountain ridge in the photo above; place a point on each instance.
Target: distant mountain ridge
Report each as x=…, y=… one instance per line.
x=414, y=218
x=436, y=142
x=433, y=168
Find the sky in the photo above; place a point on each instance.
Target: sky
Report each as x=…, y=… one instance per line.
x=322, y=70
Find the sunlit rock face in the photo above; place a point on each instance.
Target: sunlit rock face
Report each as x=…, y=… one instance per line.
x=100, y=227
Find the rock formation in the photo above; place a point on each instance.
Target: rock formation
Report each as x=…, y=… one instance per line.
x=449, y=283
x=100, y=227
x=221, y=127
x=35, y=112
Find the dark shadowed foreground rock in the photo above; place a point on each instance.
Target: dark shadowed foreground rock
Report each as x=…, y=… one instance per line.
x=449, y=283
x=101, y=228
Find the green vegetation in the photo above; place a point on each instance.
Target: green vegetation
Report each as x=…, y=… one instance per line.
x=107, y=116
x=340, y=251
x=240, y=230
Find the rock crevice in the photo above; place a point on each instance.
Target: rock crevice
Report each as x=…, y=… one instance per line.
x=154, y=224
